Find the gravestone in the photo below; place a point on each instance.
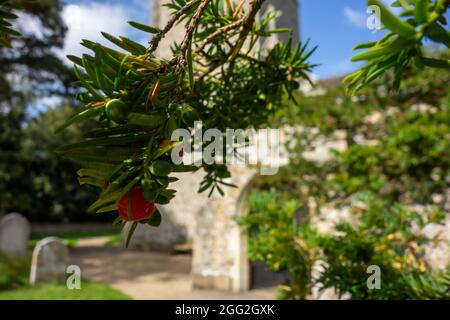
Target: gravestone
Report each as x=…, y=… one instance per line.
x=49, y=261
x=14, y=234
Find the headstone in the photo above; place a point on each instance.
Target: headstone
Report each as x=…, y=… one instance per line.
x=14, y=234
x=49, y=261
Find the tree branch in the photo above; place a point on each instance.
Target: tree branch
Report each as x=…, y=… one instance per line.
x=157, y=38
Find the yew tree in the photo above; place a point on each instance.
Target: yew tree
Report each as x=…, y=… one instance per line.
x=219, y=75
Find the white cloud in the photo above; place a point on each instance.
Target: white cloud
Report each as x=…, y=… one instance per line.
x=355, y=17
x=29, y=25
x=88, y=20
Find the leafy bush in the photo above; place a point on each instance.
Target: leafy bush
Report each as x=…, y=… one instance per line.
x=272, y=230
x=14, y=272
x=6, y=16
x=384, y=235
x=405, y=163
x=409, y=163
x=35, y=181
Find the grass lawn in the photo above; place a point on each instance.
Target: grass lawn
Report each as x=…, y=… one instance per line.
x=88, y=291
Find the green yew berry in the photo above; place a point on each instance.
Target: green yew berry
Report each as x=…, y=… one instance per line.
x=161, y=168
x=117, y=111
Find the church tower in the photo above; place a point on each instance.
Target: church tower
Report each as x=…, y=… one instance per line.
x=288, y=18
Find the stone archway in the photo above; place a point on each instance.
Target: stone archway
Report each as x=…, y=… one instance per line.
x=220, y=251
x=241, y=273
x=247, y=275
x=220, y=247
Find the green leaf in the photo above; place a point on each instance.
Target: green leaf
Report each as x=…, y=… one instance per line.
x=149, y=189
x=99, y=154
x=155, y=219
x=123, y=140
x=130, y=233
x=75, y=60
x=145, y=120
x=137, y=48
x=104, y=82
x=421, y=11
x=144, y=27
x=81, y=116
x=185, y=168
x=163, y=181
x=113, y=131
x=97, y=95
x=109, y=208
x=169, y=193
x=436, y=63
x=438, y=34
x=365, y=45
x=161, y=168
x=388, y=48
x=117, y=221
x=279, y=30
x=160, y=199
x=103, y=201
x=121, y=44
x=162, y=150
x=8, y=15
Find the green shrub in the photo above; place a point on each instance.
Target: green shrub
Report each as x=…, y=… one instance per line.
x=14, y=272
x=386, y=237
x=409, y=163
x=383, y=236
x=273, y=231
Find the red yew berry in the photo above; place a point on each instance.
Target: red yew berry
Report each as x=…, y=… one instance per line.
x=141, y=209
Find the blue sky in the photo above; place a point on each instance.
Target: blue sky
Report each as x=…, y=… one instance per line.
x=334, y=25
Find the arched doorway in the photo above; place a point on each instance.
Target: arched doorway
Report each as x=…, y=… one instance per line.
x=252, y=274
x=220, y=246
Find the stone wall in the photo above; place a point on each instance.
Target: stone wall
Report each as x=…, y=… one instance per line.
x=220, y=247
x=160, y=16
